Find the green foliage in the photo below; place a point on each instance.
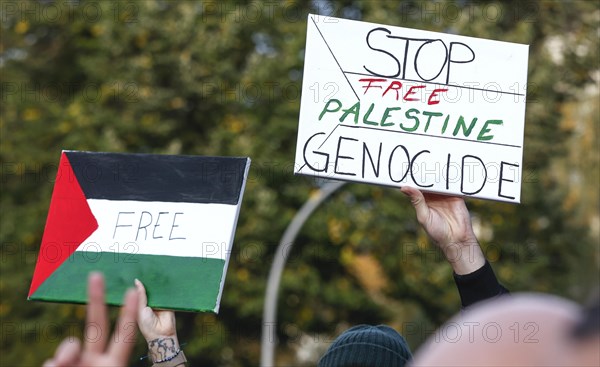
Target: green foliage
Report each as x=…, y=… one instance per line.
x=224, y=78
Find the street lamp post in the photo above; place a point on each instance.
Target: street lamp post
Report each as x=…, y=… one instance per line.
x=269, y=325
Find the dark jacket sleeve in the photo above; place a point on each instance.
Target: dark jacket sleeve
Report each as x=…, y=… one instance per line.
x=478, y=285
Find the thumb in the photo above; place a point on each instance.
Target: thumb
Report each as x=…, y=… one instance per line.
x=142, y=297
x=418, y=202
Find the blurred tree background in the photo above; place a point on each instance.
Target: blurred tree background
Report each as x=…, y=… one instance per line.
x=224, y=78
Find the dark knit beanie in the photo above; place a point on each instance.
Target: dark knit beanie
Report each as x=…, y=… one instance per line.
x=366, y=346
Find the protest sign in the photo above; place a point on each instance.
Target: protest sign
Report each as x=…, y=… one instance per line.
x=166, y=220
x=396, y=106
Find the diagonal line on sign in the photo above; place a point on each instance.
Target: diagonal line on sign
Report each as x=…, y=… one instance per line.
x=336, y=126
x=336, y=61
x=324, y=141
x=431, y=136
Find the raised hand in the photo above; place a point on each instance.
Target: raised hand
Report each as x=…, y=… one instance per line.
x=157, y=327
x=99, y=349
x=447, y=221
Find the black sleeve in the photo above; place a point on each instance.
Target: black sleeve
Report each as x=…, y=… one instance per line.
x=478, y=285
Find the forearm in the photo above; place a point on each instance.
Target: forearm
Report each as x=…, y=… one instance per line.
x=473, y=274
x=464, y=257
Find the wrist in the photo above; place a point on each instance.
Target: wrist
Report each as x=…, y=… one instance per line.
x=464, y=257
x=163, y=347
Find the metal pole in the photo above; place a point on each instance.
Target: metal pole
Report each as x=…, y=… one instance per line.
x=269, y=326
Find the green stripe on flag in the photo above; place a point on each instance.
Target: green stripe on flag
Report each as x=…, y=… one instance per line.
x=179, y=283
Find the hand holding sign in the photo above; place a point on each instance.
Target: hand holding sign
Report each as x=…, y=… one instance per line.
x=157, y=327
x=446, y=220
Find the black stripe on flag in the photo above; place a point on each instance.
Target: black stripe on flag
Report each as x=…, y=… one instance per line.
x=154, y=177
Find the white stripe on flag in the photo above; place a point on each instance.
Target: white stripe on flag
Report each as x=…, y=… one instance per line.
x=161, y=228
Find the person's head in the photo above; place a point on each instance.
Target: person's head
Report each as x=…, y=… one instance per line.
x=521, y=330
x=367, y=346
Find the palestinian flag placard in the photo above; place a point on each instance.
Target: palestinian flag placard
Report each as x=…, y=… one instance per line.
x=164, y=219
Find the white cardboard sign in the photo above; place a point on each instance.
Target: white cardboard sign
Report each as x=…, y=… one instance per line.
x=396, y=106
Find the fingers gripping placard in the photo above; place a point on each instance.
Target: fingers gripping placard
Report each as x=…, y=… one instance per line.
x=396, y=106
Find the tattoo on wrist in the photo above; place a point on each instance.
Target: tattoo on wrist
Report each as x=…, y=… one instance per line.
x=161, y=348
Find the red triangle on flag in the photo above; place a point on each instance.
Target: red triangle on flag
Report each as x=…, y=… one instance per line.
x=70, y=221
